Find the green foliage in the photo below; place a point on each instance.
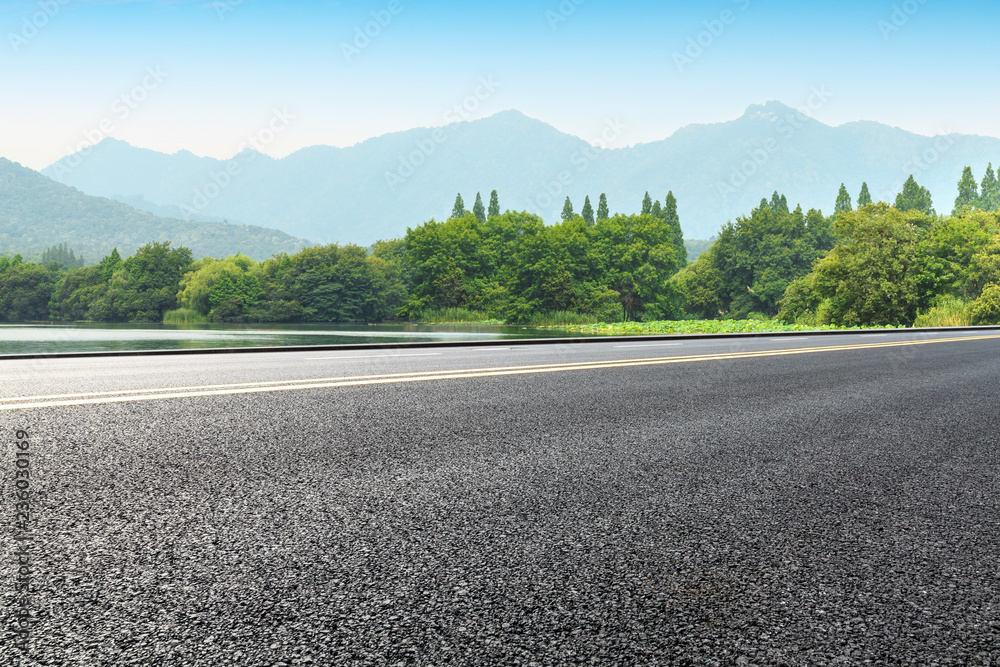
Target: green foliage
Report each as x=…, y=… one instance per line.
x=986, y=309
x=990, y=190
x=948, y=311
x=647, y=205
x=588, y=212
x=695, y=327
x=915, y=197
x=184, y=316
x=479, y=210
x=513, y=266
x=968, y=193
x=25, y=290
x=494, y=205
x=864, y=197
x=602, y=207
x=567, y=211
x=458, y=210
x=843, y=201
x=62, y=256
x=754, y=260
x=874, y=278
x=674, y=224
x=448, y=315
x=695, y=247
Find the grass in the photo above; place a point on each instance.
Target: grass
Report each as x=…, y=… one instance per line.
x=184, y=316
x=949, y=312
x=456, y=315
x=693, y=327
x=462, y=315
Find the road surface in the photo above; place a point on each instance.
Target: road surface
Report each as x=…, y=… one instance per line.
x=784, y=500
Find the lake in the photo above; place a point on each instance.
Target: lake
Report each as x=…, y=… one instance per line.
x=99, y=337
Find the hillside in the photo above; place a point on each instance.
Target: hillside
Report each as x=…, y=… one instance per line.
x=378, y=188
x=37, y=213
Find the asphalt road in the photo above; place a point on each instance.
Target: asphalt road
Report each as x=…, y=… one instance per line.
x=818, y=500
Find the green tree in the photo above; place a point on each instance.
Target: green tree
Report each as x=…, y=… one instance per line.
x=25, y=290
x=494, y=209
x=458, y=210
x=990, y=191
x=986, y=309
x=843, y=201
x=758, y=256
x=968, y=193
x=873, y=278
x=567, y=211
x=647, y=205
x=674, y=225
x=864, y=197
x=602, y=207
x=914, y=197
x=479, y=210
x=588, y=211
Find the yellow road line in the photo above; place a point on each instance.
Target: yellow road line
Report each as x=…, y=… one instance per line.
x=27, y=403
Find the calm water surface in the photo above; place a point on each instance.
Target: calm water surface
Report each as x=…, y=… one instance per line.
x=87, y=337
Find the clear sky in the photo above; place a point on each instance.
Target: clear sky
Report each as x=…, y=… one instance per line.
x=203, y=75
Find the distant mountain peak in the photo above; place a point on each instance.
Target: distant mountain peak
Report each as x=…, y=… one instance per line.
x=770, y=110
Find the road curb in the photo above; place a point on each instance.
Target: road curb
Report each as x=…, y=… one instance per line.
x=509, y=342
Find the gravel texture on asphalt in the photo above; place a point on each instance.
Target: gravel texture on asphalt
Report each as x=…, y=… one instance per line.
x=821, y=509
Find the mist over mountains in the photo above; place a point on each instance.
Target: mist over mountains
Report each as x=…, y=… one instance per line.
x=379, y=187
x=37, y=213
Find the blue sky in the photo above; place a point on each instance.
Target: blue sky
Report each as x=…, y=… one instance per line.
x=203, y=76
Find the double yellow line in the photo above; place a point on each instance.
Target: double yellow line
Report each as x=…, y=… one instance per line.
x=130, y=395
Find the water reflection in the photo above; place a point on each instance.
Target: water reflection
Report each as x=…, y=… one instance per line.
x=90, y=337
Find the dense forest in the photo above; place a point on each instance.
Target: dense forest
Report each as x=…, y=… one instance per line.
x=875, y=264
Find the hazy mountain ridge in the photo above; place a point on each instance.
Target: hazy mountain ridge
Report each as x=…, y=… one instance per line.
x=37, y=213
x=379, y=187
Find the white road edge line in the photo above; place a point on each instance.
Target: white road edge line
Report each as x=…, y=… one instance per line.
x=650, y=345
x=376, y=356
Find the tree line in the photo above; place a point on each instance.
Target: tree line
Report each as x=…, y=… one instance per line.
x=872, y=264
x=507, y=265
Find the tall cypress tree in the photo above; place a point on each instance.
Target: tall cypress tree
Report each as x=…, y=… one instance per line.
x=647, y=205
x=602, y=207
x=588, y=211
x=494, y=209
x=674, y=224
x=864, y=197
x=775, y=201
x=567, y=212
x=459, y=209
x=915, y=197
x=479, y=210
x=843, y=201
x=989, y=193
x=657, y=211
x=968, y=192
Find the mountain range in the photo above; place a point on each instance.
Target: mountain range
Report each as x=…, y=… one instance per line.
x=379, y=187
x=37, y=213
